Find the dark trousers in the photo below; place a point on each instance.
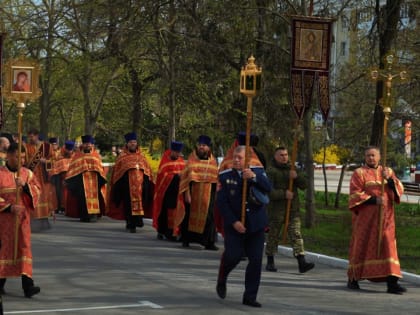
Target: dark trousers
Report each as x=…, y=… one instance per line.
x=236, y=245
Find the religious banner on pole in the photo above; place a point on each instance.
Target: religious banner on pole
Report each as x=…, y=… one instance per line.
x=311, y=43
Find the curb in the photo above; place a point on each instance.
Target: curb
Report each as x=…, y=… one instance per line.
x=339, y=263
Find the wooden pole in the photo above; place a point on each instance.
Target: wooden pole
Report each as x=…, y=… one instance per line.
x=20, y=107
x=290, y=187
x=247, y=154
x=387, y=111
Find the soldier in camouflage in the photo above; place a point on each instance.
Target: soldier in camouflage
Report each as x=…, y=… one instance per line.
x=279, y=173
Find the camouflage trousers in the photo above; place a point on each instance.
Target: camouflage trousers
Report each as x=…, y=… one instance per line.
x=294, y=235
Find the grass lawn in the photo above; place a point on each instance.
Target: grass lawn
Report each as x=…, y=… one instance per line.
x=331, y=233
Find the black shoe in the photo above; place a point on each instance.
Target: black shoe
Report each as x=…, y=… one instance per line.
x=2, y=292
x=160, y=236
x=140, y=223
x=133, y=230
x=221, y=289
x=212, y=247
x=396, y=289
x=252, y=303
x=271, y=267
x=31, y=291
x=84, y=219
x=353, y=285
x=185, y=244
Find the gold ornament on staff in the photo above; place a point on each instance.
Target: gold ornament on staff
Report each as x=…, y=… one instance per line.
x=21, y=86
x=250, y=86
x=387, y=77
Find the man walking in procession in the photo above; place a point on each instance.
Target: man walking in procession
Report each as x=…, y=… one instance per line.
x=198, y=185
x=19, y=195
x=366, y=201
x=131, y=187
x=166, y=219
x=280, y=173
x=86, y=180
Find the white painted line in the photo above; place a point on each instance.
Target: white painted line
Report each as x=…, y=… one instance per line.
x=140, y=304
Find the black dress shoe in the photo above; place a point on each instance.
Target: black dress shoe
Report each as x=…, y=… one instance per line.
x=140, y=223
x=133, y=230
x=396, y=289
x=221, y=290
x=185, y=244
x=353, y=285
x=31, y=291
x=252, y=303
x=2, y=292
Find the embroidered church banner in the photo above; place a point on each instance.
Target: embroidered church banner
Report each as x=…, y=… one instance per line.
x=311, y=43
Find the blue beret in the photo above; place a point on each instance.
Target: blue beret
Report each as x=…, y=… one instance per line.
x=53, y=140
x=203, y=139
x=87, y=139
x=177, y=146
x=130, y=136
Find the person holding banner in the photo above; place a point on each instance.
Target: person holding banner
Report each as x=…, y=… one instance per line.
x=279, y=173
x=373, y=253
x=15, y=229
x=247, y=237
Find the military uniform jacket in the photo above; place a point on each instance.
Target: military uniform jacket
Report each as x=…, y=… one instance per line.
x=279, y=176
x=229, y=199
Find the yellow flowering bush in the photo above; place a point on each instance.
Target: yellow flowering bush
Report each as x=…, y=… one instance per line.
x=333, y=155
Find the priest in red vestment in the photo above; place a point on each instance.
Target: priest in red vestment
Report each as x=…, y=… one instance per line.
x=37, y=154
x=86, y=181
x=166, y=195
x=366, y=259
x=58, y=171
x=15, y=228
x=131, y=188
x=198, y=186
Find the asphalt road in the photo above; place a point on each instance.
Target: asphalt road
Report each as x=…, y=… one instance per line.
x=99, y=268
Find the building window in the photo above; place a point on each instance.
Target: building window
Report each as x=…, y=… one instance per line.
x=343, y=48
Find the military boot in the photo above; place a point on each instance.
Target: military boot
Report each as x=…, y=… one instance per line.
x=270, y=264
x=303, y=265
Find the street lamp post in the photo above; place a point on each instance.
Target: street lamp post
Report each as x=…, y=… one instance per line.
x=388, y=77
x=250, y=85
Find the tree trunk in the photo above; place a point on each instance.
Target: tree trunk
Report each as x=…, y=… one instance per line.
x=310, y=191
x=340, y=184
x=387, y=28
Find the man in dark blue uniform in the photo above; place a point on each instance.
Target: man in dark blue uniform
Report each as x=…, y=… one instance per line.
x=241, y=238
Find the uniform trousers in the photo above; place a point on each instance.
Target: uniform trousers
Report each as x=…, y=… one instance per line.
x=236, y=244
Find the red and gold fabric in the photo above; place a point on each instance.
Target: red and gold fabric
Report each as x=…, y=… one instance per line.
x=15, y=229
x=228, y=159
x=137, y=166
x=89, y=166
x=168, y=168
x=200, y=175
x=34, y=154
x=363, y=260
